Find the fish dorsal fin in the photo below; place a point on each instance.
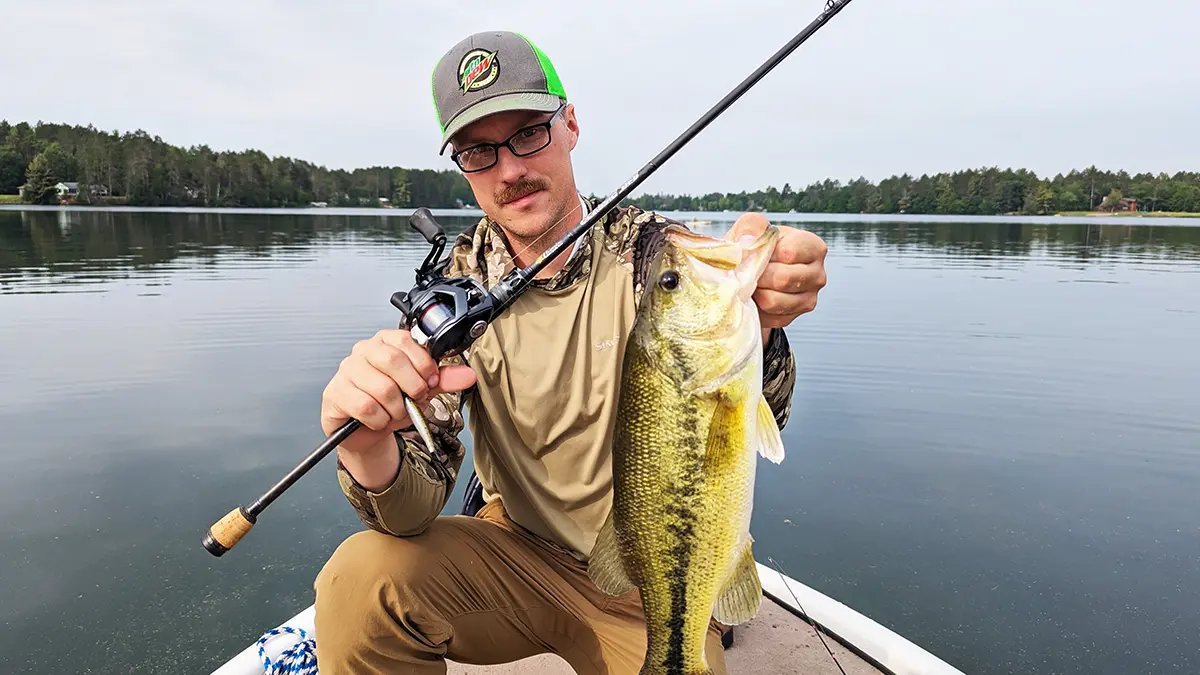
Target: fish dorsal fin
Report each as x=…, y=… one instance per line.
x=605, y=568
x=741, y=596
x=768, y=439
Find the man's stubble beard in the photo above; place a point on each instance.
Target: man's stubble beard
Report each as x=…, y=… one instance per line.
x=536, y=239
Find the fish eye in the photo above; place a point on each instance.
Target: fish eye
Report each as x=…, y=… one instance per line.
x=668, y=280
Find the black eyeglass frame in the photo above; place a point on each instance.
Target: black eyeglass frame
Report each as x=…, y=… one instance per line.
x=507, y=143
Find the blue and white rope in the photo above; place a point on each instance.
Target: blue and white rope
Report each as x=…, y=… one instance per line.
x=299, y=659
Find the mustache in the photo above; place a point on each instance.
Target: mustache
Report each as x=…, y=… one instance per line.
x=521, y=188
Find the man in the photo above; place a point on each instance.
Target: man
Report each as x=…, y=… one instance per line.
x=541, y=386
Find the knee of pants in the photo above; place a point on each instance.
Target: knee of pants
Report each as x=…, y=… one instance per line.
x=370, y=569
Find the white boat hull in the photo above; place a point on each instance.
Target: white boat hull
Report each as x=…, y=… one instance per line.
x=874, y=643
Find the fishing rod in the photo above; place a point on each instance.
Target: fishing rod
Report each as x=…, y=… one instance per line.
x=446, y=315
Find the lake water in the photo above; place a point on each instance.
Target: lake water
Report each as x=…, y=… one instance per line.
x=994, y=448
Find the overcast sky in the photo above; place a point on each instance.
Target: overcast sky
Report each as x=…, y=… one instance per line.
x=888, y=86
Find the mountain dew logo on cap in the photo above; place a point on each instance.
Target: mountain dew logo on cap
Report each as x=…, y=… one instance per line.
x=478, y=69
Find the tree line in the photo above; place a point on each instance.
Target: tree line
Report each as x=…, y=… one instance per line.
x=137, y=169
x=985, y=191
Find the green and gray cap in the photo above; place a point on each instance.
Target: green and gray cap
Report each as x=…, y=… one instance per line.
x=492, y=72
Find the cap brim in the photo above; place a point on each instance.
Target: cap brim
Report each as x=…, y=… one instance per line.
x=504, y=103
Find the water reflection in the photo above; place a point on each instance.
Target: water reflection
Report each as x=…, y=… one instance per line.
x=987, y=241
x=39, y=248
x=988, y=451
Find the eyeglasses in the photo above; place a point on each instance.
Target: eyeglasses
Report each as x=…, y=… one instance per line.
x=523, y=143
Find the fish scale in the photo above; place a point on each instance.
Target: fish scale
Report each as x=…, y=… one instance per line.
x=690, y=422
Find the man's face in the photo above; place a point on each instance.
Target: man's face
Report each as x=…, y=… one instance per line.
x=525, y=195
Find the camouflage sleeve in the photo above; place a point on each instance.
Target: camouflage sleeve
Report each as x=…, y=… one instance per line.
x=426, y=476
x=779, y=375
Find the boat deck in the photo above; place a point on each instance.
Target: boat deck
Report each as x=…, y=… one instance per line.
x=775, y=641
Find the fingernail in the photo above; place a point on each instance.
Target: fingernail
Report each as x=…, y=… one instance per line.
x=433, y=380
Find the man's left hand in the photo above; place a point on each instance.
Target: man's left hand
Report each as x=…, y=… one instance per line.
x=789, y=285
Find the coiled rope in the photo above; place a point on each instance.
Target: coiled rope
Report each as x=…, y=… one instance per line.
x=299, y=659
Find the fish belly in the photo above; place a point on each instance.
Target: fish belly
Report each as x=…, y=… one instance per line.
x=683, y=470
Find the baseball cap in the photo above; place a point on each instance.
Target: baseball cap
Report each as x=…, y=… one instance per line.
x=492, y=72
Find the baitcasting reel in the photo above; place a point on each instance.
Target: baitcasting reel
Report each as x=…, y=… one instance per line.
x=444, y=314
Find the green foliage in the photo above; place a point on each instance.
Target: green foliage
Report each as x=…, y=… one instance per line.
x=12, y=169
x=40, y=180
x=1043, y=198
x=22, y=138
x=142, y=170
x=986, y=191
x=1112, y=200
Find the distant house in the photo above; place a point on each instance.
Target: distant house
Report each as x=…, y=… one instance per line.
x=21, y=190
x=1126, y=204
x=68, y=190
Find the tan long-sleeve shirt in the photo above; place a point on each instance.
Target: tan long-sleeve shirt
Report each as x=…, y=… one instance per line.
x=542, y=409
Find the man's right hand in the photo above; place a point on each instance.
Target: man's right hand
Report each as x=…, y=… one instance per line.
x=368, y=386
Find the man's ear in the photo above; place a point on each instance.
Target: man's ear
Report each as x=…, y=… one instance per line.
x=572, y=124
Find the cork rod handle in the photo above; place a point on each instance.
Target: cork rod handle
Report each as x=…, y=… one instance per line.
x=228, y=531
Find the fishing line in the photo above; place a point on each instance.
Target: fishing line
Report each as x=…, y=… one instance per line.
x=550, y=229
x=811, y=621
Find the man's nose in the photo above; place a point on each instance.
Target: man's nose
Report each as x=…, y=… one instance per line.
x=508, y=166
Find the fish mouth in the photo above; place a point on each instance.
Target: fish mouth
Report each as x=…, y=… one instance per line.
x=720, y=252
x=746, y=262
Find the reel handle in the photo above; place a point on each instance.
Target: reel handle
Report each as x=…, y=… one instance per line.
x=422, y=221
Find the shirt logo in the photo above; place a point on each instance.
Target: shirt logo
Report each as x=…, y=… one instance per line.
x=606, y=344
x=478, y=69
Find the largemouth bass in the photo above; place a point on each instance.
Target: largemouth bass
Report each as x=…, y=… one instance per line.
x=691, y=419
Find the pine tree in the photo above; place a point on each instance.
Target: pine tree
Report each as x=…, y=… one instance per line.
x=40, y=181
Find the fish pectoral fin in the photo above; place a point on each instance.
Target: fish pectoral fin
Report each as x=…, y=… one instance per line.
x=605, y=567
x=741, y=596
x=768, y=438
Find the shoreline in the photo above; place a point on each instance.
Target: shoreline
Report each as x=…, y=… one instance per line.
x=1131, y=214
x=713, y=218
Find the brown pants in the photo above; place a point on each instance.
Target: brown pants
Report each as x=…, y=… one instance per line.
x=473, y=590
